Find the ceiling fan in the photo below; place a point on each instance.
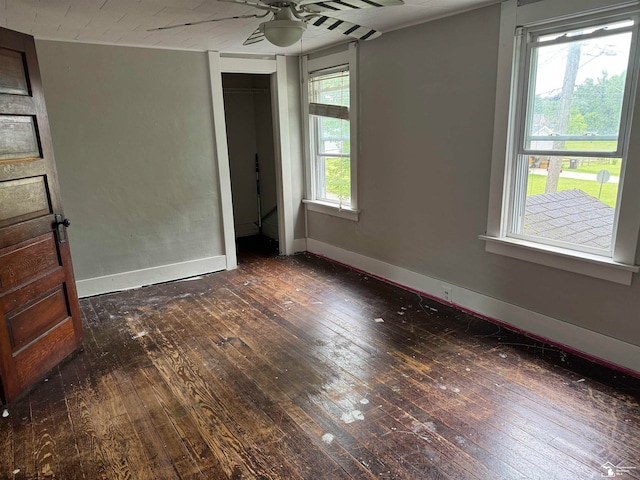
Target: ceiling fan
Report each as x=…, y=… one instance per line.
x=289, y=19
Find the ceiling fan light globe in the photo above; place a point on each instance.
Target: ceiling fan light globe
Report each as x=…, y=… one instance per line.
x=283, y=33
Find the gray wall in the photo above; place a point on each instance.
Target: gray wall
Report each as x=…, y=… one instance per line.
x=426, y=110
x=133, y=138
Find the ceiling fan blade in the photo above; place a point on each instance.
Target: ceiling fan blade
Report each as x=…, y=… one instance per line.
x=261, y=6
x=207, y=21
x=344, y=27
x=255, y=37
x=339, y=5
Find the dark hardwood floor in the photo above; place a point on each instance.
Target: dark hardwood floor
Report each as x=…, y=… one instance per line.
x=296, y=367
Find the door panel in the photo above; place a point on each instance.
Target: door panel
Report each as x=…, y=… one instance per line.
x=39, y=313
x=12, y=75
x=18, y=137
x=22, y=262
x=22, y=199
x=30, y=321
x=34, y=361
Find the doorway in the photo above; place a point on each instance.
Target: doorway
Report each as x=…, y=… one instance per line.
x=252, y=160
x=284, y=91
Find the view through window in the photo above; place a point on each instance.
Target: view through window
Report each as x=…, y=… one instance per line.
x=571, y=147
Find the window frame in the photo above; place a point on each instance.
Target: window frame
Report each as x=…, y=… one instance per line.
x=509, y=118
x=346, y=56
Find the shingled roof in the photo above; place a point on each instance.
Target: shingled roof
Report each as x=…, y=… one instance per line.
x=570, y=216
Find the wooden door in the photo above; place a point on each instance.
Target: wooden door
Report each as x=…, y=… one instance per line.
x=39, y=313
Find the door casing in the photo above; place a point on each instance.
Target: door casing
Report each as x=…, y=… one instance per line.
x=277, y=68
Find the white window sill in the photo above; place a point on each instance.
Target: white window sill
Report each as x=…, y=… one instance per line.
x=583, y=263
x=331, y=209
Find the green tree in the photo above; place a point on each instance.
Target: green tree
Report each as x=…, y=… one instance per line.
x=577, y=123
x=599, y=101
x=596, y=106
x=338, y=177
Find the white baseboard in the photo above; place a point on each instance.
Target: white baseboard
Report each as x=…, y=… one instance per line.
x=149, y=276
x=299, y=245
x=590, y=344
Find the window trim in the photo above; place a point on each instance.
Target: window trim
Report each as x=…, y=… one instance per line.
x=621, y=266
x=310, y=63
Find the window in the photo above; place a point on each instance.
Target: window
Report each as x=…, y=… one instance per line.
x=570, y=147
x=330, y=129
x=567, y=139
x=329, y=109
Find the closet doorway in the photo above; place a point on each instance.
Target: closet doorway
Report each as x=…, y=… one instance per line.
x=252, y=160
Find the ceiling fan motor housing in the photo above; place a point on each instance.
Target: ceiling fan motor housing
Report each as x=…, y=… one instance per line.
x=283, y=30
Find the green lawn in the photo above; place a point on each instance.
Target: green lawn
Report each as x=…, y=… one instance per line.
x=536, y=184
x=614, y=170
x=594, y=165
x=586, y=146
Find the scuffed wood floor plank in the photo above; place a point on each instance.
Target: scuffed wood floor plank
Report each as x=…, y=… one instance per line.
x=279, y=370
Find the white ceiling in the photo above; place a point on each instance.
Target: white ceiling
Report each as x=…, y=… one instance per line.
x=125, y=22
